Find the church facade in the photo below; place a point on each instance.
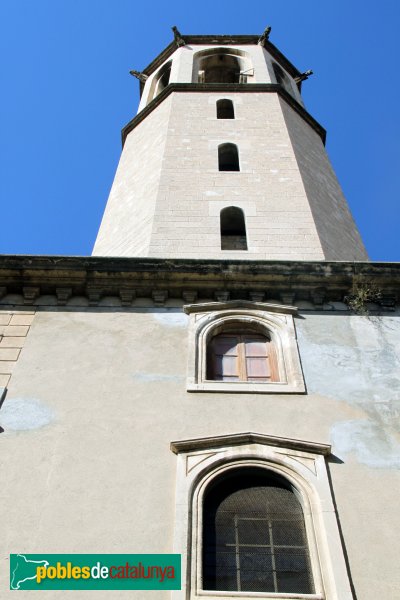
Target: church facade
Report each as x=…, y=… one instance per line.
x=220, y=378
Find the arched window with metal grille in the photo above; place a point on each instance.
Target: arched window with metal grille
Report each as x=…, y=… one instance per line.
x=254, y=535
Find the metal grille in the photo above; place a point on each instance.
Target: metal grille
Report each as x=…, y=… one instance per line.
x=254, y=538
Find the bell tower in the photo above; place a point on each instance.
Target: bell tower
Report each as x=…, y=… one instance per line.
x=223, y=161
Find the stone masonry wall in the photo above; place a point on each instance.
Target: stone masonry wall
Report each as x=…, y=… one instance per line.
x=14, y=327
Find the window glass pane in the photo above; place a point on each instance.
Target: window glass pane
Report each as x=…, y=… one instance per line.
x=242, y=356
x=225, y=345
x=229, y=366
x=253, y=531
x=256, y=348
x=256, y=570
x=289, y=532
x=254, y=536
x=293, y=570
x=257, y=367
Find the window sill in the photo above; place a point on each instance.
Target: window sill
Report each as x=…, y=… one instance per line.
x=214, y=595
x=246, y=387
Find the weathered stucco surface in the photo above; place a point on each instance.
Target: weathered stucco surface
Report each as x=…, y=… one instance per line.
x=97, y=396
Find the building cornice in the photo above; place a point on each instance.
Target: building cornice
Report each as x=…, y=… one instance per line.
x=192, y=280
x=268, y=88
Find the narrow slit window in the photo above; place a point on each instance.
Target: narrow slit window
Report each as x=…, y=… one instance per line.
x=225, y=109
x=233, y=229
x=228, y=157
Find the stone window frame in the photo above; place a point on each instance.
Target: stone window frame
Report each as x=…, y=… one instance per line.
x=274, y=321
x=302, y=464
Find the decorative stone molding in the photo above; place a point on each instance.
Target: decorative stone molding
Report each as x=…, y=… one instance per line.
x=318, y=296
x=63, y=295
x=256, y=296
x=273, y=321
x=221, y=295
x=94, y=294
x=127, y=296
x=302, y=463
x=159, y=297
x=202, y=278
x=189, y=296
x=30, y=294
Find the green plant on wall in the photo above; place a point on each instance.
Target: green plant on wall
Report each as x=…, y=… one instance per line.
x=361, y=294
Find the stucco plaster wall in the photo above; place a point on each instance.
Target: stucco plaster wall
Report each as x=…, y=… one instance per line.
x=98, y=395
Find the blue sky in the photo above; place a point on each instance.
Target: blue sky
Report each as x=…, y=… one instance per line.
x=67, y=92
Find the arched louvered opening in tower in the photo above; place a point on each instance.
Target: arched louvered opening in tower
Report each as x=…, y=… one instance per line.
x=225, y=109
x=219, y=67
x=254, y=535
x=228, y=157
x=282, y=78
x=163, y=80
x=233, y=229
x=160, y=81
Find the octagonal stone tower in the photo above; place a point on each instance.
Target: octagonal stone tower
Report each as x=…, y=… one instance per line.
x=223, y=161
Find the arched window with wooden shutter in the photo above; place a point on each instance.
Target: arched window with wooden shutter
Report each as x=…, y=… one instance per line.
x=242, y=356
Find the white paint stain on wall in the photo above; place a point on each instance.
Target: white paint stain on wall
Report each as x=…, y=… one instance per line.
x=355, y=359
x=351, y=358
x=171, y=319
x=371, y=445
x=24, y=414
x=157, y=377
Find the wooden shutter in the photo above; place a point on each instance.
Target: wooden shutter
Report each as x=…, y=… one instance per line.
x=242, y=357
